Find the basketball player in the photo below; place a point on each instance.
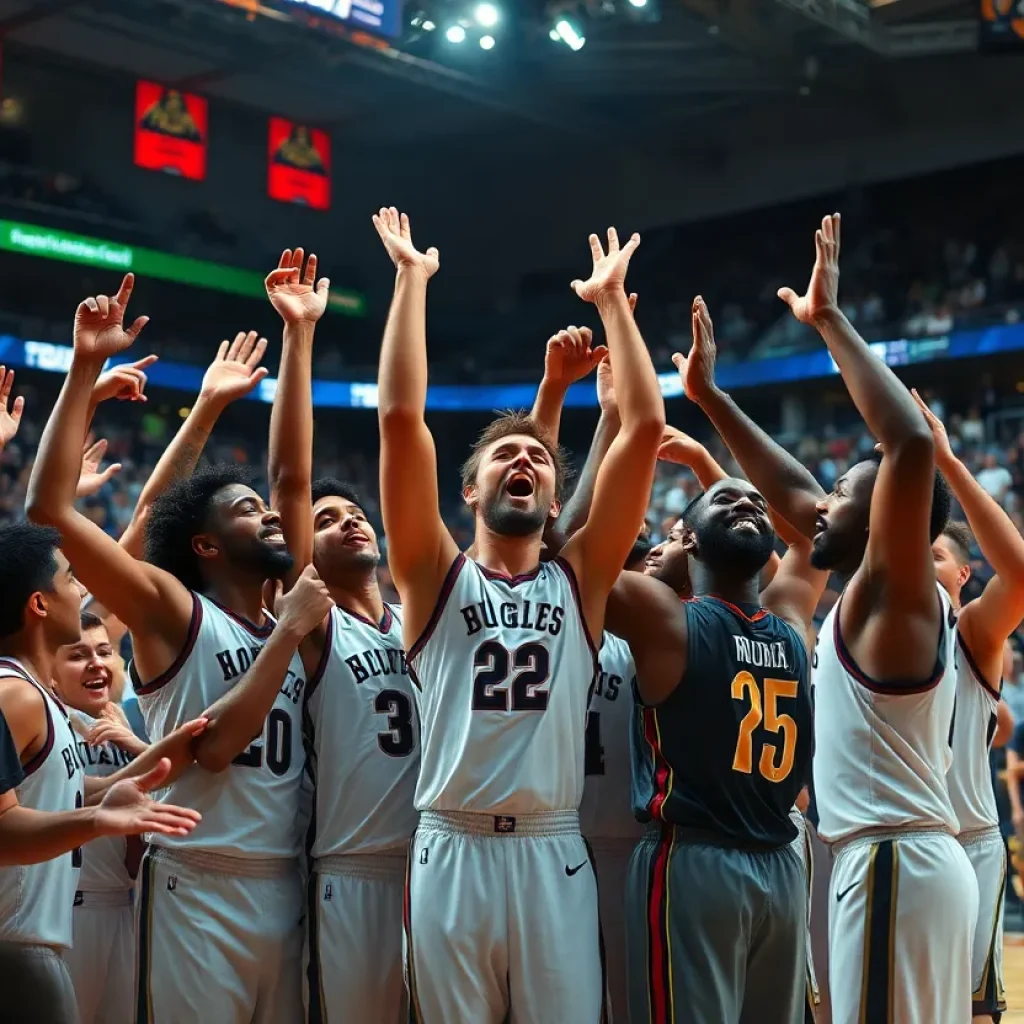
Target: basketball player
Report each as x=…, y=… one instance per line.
x=219, y=911
x=501, y=912
x=361, y=728
x=903, y=891
x=43, y=818
x=982, y=629
x=101, y=959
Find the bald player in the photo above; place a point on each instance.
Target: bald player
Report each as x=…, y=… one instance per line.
x=904, y=899
x=502, y=901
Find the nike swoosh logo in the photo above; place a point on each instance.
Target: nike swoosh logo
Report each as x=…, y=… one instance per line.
x=572, y=871
x=839, y=896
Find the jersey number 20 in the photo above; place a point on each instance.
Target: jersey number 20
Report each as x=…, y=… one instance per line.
x=774, y=764
x=278, y=748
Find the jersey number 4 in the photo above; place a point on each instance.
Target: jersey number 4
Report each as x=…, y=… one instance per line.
x=774, y=764
x=505, y=680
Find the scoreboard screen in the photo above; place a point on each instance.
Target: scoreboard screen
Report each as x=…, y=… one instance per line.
x=170, y=131
x=299, y=164
x=382, y=17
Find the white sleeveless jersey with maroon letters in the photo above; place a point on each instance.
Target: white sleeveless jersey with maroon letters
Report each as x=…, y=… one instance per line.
x=363, y=735
x=607, y=808
x=503, y=670
x=104, y=860
x=973, y=729
x=36, y=900
x=252, y=808
x=881, y=752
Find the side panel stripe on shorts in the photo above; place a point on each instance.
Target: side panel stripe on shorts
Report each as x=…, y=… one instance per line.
x=660, y=1005
x=144, y=943
x=415, y=1014
x=990, y=996
x=877, y=973
x=605, y=1001
x=314, y=974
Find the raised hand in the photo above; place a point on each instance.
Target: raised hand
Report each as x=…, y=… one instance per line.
x=305, y=606
x=697, y=370
x=99, y=323
x=679, y=448
x=91, y=478
x=119, y=734
x=569, y=357
x=9, y=418
x=396, y=235
x=822, y=296
x=295, y=294
x=609, y=271
x=606, y=389
x=127, y=810
x=943, y=449
x=236, y=370
x=126, y=382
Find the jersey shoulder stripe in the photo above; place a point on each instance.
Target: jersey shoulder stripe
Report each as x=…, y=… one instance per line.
x=10, y=667
x=973, y=666
x=442, y=599
x=899, y=688
x=317, y=675
x=574, y=586
x=145, y=689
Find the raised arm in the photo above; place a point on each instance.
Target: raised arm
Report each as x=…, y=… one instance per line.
x=233, y=374
x=796, y=587
x=985, y=623
x=420, y=548
x=786, y=485
x=301, y=301
x=10, y=412
x=623, y=487
x=146, y=599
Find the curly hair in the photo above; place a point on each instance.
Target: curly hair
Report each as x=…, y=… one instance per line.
x=506, y=425
x=181, y=513
x=942, y=500
x=331, y=487
x=27, y=565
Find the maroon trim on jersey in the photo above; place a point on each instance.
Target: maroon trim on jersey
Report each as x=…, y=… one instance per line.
x=756, y=617
x=384, y=626
x=260, y=632
x=973, y=665
x=512, y=581
x=145, y=689
x=442, y=600
x=12, y=668
x=890, y=689
x=325, y=656
x=659, y=958
x=574, y=586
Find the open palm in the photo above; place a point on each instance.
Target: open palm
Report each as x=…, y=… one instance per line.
x=822, y=293
x=609, y=270
x=294, y=293
x=396, y=234
x=127, y=809
x=697, y=370
x=236, y=370
x=99, y=323
x=10, y=417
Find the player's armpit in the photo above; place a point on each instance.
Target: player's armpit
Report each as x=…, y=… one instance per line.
x=796, y=588
x=23, y=709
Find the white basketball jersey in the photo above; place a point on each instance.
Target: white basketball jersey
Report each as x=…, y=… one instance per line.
x=36, y=900
x=104, y=863
x=363, y=735
x=503, y=672
x=881, y=753
x=973, y=729
x=252, y=808
x=607, y=808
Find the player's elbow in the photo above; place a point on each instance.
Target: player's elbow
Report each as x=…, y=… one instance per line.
x=914, y=449
x=399, y=419
x=40, y=511
x=212, y=755
x=644, y=433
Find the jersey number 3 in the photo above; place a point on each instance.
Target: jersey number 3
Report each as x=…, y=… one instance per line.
x=774, y=764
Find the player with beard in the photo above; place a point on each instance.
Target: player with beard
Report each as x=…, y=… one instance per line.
x=361, y=730
x=219, y=910
x=904, y=898
x=101, y=959
x=501, y=912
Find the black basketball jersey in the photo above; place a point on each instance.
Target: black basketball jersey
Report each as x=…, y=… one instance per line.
x=727, y=753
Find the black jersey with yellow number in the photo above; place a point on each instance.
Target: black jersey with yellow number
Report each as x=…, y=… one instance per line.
x=727, y=753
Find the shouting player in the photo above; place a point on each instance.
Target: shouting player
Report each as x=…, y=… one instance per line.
x=502, y=901
x=360, y=720
x=903, y=894
x=982, y=629
x=219, y=911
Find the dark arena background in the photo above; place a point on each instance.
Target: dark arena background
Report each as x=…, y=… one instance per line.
x=190, y=141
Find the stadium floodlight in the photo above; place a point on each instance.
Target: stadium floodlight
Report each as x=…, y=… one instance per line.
x=554, y=36
x=456, y=34
x=569, y=35
x=487, y=15
x=487, y=42
x=638, y=3
x=428, y=26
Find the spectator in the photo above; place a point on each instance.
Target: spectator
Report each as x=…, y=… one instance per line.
x=994, y=478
